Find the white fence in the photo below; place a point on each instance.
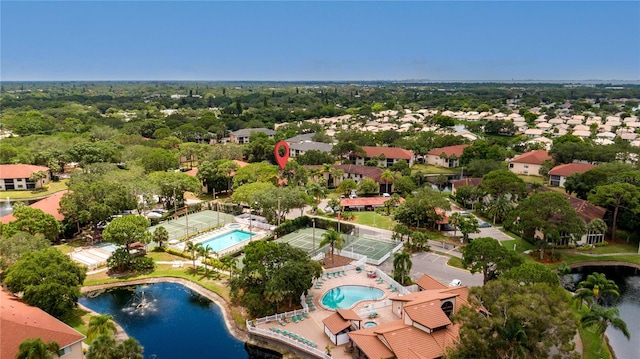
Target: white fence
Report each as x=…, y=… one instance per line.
x=251, y=326
x=386, y=256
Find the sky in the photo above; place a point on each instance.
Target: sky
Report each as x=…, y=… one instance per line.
x=319, y=40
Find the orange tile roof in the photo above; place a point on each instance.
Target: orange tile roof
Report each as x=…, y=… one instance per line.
x=388, y=152
x=584, y=209
x=49, y=205
x=428, y=314
x=192, y=172
x=410, y=338
x=428, y=282
x=335, y=323
x=448, y=151
x=469, y=181
x=568, y=169
x=20, y=321
x=348, y=314
x=533, y=157
x=20, y=170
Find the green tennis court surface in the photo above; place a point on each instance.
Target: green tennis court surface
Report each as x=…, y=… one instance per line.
x=372, y=248
x=194, y=222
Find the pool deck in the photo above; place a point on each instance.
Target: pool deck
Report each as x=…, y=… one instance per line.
x=205, y=236
x=312, y=328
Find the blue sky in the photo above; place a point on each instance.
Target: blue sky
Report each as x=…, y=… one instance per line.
x=306, y=40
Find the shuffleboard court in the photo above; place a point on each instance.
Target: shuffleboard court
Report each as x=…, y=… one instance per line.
x=372, y=248
x=195, y=222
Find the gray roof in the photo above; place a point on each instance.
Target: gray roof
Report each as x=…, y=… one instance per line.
x=306, y=137
x=308, y=146
x=246, y=132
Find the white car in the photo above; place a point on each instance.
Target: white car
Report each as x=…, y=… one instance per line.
x=455, y=283
x=386, y=195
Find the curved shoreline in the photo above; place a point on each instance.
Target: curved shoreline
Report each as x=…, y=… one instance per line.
x=238, y=333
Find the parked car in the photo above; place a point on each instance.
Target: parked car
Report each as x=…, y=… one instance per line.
x=386, y=195
x=484, y=225
x=447, y=228
x=455, y=283
x=463, y=213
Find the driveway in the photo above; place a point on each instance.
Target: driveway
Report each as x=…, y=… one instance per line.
x=436, y=266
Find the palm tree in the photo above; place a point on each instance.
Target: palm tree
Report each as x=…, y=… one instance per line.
x=597, y=287
x=500, y=208
x=402, y=267
x=37, y=349
x=454, y=219
x=386, y=177
x=600, y=318
x=334, y=239
x=129, y=349
x=103, y=347
x=193, y=250
x=160, y=235
x=100, y=324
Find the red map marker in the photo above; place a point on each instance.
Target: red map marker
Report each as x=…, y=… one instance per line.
x=281, y=159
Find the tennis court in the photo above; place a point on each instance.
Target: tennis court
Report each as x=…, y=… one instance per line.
x=374, y=249
x=195, y=222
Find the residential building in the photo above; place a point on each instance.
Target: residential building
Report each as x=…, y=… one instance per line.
x=529, y=163
x=445, y=156
x=364, y=203
x=386, y=156
x=423, y=329
x=242, y=136
x=20, y=321
x=558, y=174
x=16, y=177
x=339, y=173
x=300, y=144
x=469, y=181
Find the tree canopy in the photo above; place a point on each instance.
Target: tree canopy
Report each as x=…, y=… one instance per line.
x=488, y=256
x=274, y=275
x=49, y=279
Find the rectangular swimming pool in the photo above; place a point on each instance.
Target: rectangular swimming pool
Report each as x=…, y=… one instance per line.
x=226, y=240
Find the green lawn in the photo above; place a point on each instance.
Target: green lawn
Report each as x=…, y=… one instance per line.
x=455, y=262
x=373, y=219
x=521, y=244
x=53, y=188
x=533, y=179
x=616, y=248
x=431, y=170
x=590, y=341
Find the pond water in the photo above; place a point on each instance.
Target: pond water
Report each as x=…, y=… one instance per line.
x=170, y=321
x=628, y=281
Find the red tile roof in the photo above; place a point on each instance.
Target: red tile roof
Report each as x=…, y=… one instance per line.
x=584, y=209
x=20, y=171
x=568, y=169
x=427, y=282
x=348, y=314
x=448, y=151
x=533, y=157
x=469, y=181
x=20, y=321
x=335, y=323
x=49, y=205
x=428, y=314
x=388, y=152
x=192, y=172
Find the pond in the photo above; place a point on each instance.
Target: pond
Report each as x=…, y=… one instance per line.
x=628, y=281
x=169, y=320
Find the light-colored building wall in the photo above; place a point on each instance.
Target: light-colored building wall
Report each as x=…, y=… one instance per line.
x=525, y=169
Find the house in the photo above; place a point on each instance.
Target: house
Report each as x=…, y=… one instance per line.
x=445, y=156
x=533, y=132
x=16, y=177
x=357, y=173
x=423, y=329
x=529, y=163
x=337, y=325
x=242, y=136
x=48, y=205
x=300, y=148
x=558, y=174
x=386, y=156
x=469, y=181
x=20, y=321
x=588, y=212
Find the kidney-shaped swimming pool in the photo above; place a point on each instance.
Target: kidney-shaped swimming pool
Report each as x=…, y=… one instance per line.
x=346, y=296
